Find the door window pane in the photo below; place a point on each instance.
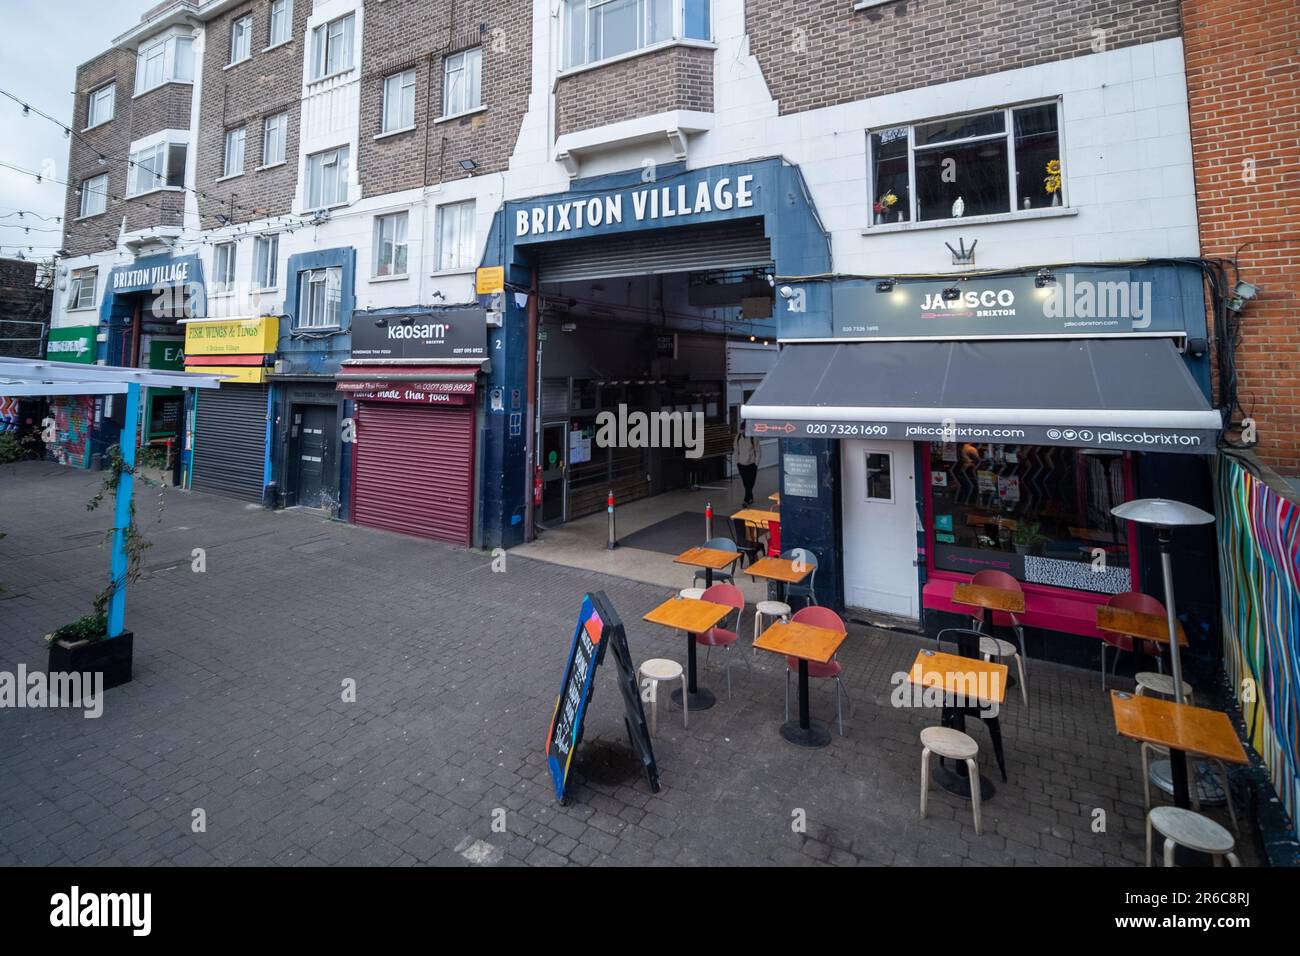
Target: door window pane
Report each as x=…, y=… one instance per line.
x=880, y=477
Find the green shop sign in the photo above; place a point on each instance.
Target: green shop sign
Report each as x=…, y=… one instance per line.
x=73, y=343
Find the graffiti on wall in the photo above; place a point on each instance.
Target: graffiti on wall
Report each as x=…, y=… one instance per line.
x=1259, y=550
x=8, y=413
x=73, y=417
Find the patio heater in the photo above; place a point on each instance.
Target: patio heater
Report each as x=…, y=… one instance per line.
x=1163, y=516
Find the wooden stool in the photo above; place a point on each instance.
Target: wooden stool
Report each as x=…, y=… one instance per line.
x=774, y=609
x=954, y=745
x=658, y=669
x=991, y=647
x=1162, y=684
x=1182, y=827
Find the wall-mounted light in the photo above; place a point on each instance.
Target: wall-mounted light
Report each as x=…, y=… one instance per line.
x=1044, y=278
x=786, y=292
x=951, y=294
x=1242, y=293
x=407, y=319
x=381, y=323
x=886, y=285
x=468, y=165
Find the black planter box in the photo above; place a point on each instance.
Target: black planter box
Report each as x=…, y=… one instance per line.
x=111, y=657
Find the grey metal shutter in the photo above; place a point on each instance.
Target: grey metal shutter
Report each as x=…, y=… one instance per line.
x=230, y=441
x=555, y=398
x=735, y=245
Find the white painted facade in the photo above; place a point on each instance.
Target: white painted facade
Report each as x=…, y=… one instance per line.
x=1125, y=141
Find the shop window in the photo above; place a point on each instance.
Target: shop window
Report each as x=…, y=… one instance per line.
x=462, y=85
x=327, y=178
x=275, y=130
x=390, y=245
x=233, y=164
x=320, y=296
x=241, y=40
x=266, y=256
x=281, y=22
x=596, y=30
x=975, y=165
x=1041, y=513
x=332, y=47
x=81, y=288
x=456, y=236
x=880, y=476
x=94, y=195
x=399, y=102
x=223, y=268
x=156, y=167
x=101, y=105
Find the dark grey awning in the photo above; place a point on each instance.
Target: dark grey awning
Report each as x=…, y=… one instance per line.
x=1132, y=394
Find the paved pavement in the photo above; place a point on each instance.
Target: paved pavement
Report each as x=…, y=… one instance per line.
x=236, y=710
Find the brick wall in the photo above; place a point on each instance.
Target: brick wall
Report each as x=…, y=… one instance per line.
x=1243, y=60
x=267, y=83
x=411, y=34
x=21, y=303
x=675, y=78
x=818, y=53
x=167, y=107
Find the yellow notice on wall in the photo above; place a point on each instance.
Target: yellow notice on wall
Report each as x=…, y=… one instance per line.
x=232, y=336
x=489, y=280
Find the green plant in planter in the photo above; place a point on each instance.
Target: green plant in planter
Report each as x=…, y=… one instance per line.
x=1027, y=536
x=94, y=626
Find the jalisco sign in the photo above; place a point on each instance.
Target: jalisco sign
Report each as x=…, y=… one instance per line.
x=436, y=334
x=232, y=336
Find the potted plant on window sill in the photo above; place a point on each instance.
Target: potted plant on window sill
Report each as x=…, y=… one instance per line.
x=1028, y=539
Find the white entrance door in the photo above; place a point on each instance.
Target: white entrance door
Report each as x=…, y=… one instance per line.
x=879, y=526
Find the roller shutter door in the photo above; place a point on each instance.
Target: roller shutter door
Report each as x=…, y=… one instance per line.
x=230, y=441
x=736, y=245
x=415, y=469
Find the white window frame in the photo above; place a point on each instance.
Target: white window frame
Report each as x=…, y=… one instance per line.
x=589, y=9
x=1008, y=135
x=236, y=145
x=77, y=297
x=402, y=86
x=313, y=287
x=93, y=118
x=171, y=65
x=241, y=39
x=88, y=190
x=223, y=272
x=314, y=191
x=266, y=261
x=284, y=10
x=467, y=65
x=395, y=238
x=281, y=123
x=465, y=238
x=342, y=29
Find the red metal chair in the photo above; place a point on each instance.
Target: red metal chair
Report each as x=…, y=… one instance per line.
x=729, y=595
x=996, y=647
x=1142, y=604
x=815, y=616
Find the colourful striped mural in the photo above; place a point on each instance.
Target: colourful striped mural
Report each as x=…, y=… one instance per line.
x=1259, y=553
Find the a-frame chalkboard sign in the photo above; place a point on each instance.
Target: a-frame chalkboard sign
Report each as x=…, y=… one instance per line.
x=599, y=627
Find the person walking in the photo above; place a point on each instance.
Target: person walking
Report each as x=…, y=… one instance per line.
x=748, y=456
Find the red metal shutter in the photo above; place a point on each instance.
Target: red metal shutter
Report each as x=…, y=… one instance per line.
x=415, y=469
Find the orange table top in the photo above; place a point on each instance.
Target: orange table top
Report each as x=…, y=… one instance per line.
x=1151, y=627
x=707, y=558
x=757, y=516
x=1169, y=724
x=688, y=614
x=778, y=569
x=816, y=644
x=775, y=496
x=995, y=599
x=960, y=676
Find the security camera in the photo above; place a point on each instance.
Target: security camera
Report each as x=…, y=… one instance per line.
x=786, y=292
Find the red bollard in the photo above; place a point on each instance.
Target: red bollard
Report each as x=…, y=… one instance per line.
x=612, y=543
x=708, y=521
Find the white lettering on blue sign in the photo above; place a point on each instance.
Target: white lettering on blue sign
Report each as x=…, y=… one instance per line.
x=648, y=204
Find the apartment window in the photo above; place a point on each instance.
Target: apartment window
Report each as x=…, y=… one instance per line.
x=974, y=165
x=266, y=256
x=320, y=294
x=223, y=267
x=101, y=105
x=390, y=245
x=94, y=195
x=275, y=131
x=241, y=39
x=327, y=178
x=456, y=236
x=599, y=29
x=234, y=161
x=281, y=22
x=166, y=60
x=81, y=288
x=399, y=102
x=332, y=47
x=156, y=167
x=462, y=85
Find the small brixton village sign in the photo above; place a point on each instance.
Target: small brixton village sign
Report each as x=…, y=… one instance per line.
x=599, y=627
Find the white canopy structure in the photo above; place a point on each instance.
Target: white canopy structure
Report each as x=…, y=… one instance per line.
x=22, y=377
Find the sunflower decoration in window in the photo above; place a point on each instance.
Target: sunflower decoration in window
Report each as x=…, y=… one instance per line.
x=885, y=205
x=1053, y=181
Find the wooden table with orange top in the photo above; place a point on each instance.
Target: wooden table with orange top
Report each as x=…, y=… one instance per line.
x=693, y=617
x=759, y=516
x=780, y=570
x=989, y=599
x=1165, y=723
x=808, y=643
x=969, y=684
x=710, y=559
x=1150, y=627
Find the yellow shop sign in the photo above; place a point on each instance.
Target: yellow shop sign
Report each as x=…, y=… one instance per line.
x=236, y=374
x=232, y=336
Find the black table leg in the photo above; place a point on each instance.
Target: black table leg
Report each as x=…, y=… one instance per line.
x=700, y=699
x=1184, y=856
x=805, y=733
x=957, y=781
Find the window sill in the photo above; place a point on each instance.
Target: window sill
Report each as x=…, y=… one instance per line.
x=222, y=179
x=262, y=169
x=868, y=4
x=312, y=210
x=231, y=66
x=633, y=54
x=395, y=132
x=318, y=80
x=400, y=278
x=447, y=273
x=1050, y=212
x=89, y=216
x=221, y=295
x=276, y=46
x=461, y=115
x=98, y=125
x=158, y=189
x=80, y=308
x=136, y=96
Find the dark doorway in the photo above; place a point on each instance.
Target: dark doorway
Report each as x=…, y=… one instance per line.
x=313, y=448
x=553, y=439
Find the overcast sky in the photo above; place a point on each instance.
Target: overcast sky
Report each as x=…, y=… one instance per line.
x=42, y=43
